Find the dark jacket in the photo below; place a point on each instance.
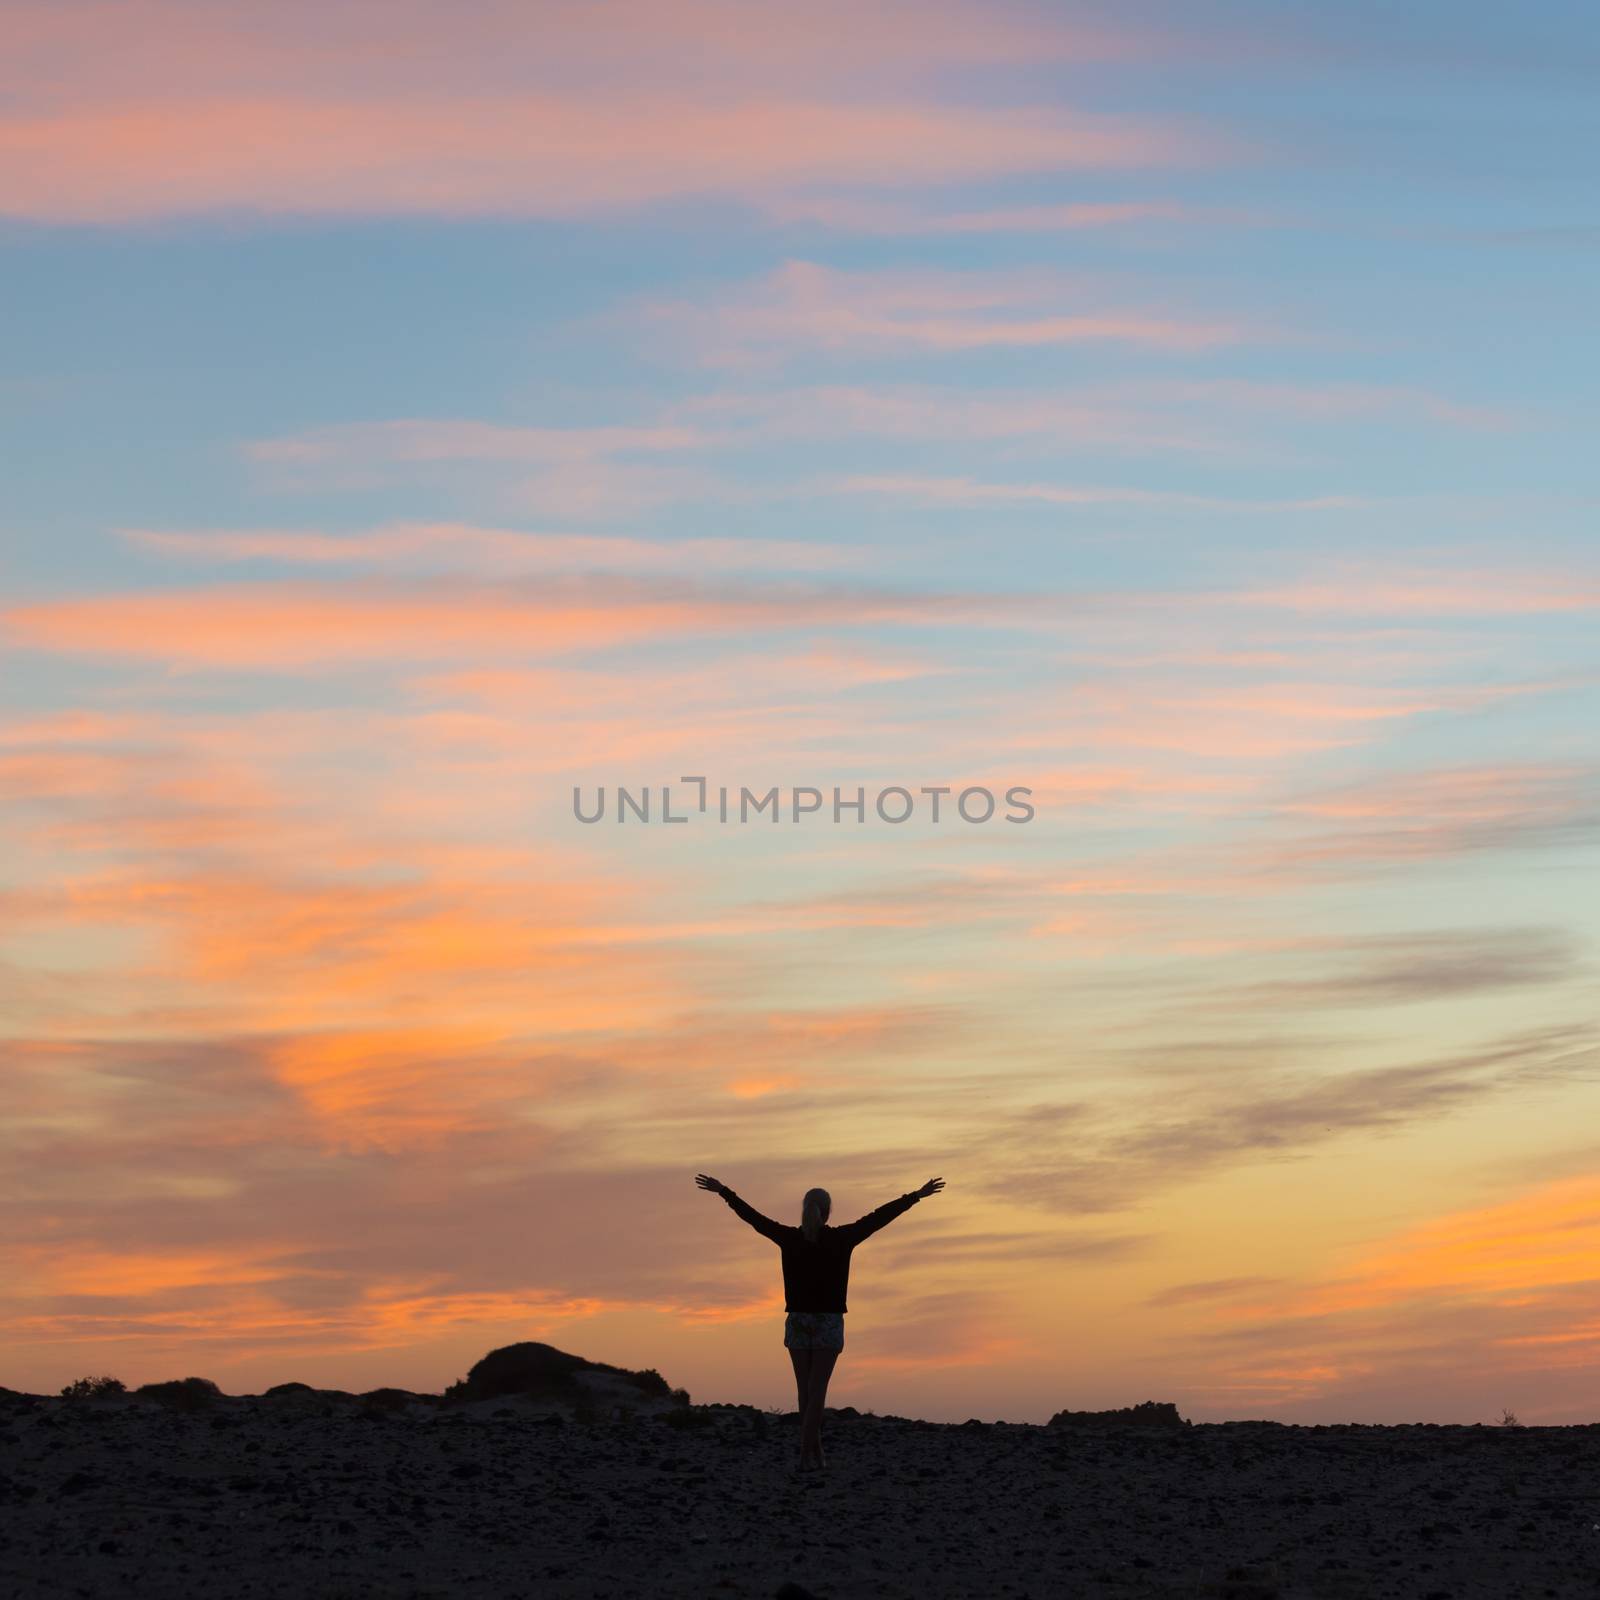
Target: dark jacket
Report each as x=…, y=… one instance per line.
x=815, y=1276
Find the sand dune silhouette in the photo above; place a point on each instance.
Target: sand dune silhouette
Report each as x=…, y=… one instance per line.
x=544, y=1473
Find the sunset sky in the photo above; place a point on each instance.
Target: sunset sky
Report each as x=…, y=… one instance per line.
x=412, y=412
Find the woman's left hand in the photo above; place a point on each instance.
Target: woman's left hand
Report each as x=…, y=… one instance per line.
x=932, y=1186
x=708, y=1183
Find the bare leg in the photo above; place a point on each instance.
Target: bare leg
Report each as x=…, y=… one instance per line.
x=802, y=1377
x=822, y=1363
x=803, y=1366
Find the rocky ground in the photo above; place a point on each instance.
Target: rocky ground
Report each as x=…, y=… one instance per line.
x=312, y=1494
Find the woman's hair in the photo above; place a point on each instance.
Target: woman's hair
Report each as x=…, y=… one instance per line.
x=814, y=1211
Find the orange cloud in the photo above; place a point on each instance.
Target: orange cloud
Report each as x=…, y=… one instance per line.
x=754, y=1088
x=88, y=1270
x=288, y=627
x=1542, y=1240
x=393, y=1088
x=315, y=950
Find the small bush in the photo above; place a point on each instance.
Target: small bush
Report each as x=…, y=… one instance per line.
x=181, y=1394
x=1509, y=1420
x=1159, y=1412
x=387, y=1399
x=91, y=1388
x=648, y=1382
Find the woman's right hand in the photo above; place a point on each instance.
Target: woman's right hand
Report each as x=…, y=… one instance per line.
x=708, y=1183
x=932, y=1186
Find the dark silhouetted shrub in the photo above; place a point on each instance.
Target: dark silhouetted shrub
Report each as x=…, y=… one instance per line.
x=387, y=1399
x=1160, y=1412
x=181, y=1394
x=91, y=1388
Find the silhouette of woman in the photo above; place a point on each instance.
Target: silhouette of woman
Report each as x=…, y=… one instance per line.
x=816, y=1273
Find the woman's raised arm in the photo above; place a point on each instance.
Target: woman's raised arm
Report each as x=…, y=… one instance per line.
x=762, y=1225
x=865, y=1227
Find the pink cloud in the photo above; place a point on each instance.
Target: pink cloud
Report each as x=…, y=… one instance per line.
x=804, y=305
x=160, y=108
x=1416, y=816
x=517, y=154
x=186, y=46
x=972, y=492
x=1432, y=592
x=1226, y=721
x=893, y=218
x=1332, y=400
x=464, y=548
x=1223, y=421
x=424, y=439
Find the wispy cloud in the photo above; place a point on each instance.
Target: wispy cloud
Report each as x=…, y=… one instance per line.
x=576, y=473
x=1434, y=813
x=522, y=155
x=423, y=439
x=1182, y=1294
x=934, y=491
x=562, y=115
x=282, y=627
x=1497, y=1301
x=804, y=306
x=1081, y=1157
x=1439, y=964
x=1439, y=591
x=415, y=547
x=891, y=218
x=1222, y=420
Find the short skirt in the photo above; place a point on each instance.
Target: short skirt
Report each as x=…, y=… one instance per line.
x=814, y=1330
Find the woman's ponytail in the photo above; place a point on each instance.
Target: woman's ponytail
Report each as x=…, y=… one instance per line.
x=814, y=1211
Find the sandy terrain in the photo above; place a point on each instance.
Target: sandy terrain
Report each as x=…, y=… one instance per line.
x=317, y=1495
